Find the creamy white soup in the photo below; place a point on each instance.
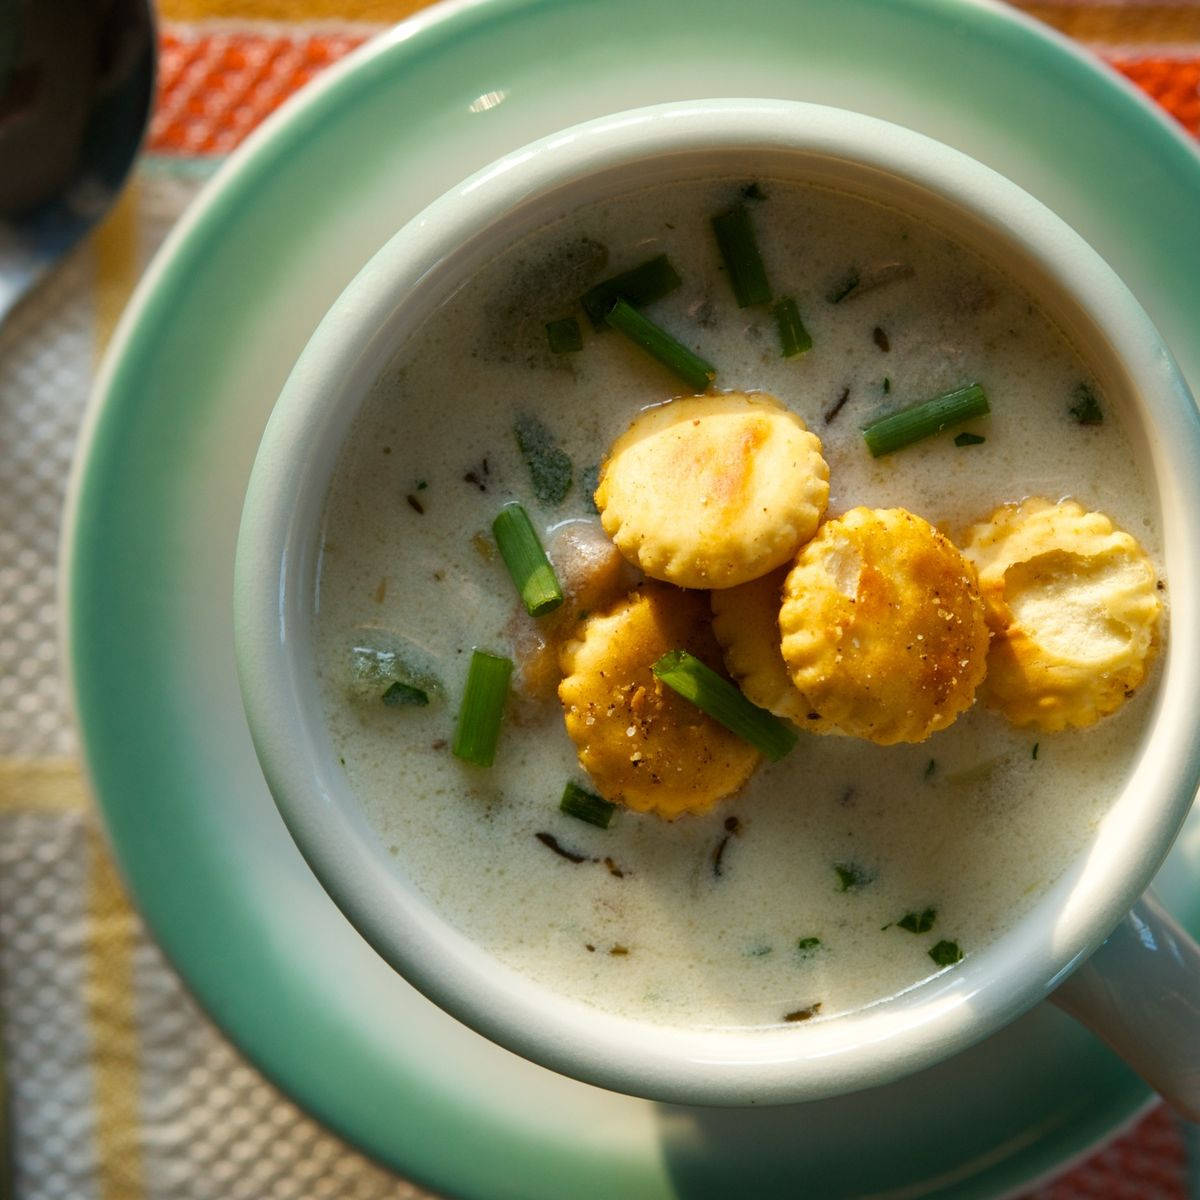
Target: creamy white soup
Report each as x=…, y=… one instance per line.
x=831, y=879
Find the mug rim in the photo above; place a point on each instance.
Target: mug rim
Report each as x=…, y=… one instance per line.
x=296, y=459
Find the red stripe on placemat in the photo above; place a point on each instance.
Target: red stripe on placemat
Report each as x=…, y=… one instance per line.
x=1147, y=1163
x=213, y=89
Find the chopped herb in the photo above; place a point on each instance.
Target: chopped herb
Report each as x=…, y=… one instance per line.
x=807, y=944
x=946, y=954
x=803, y=1014
x=1086, y=409
x=887, y=385
x=415, y=504
x=968, y=439
x=526, y=561
x=421, y=485
x=851, y=877
x=551, y=842
x=847, y=284
x=923, y=420
x=722, y=701
x=921, y=922
x=641, y=285
x=404, y=693
x=550, y=470
x=659, y=344
x=589, y=481
x=930, y=767
x=477, y=476
x=858, y=283
x=880, y=339
x=482, y=710
x=793, y=337
x=752, y=191
x=719, y=856
x=831, y=412
x=739, y=250
x=564, y=335
x=1033, y=755
x=586, y=806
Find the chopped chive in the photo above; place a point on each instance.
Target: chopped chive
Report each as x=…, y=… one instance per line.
x=921, y=922
x=793, y=337
x=404, y=693
x=880, y=338
x=586, y=806
x=968, y=439
x=1033, y=755
x=640, y=285
x=930, y=767
x=887, y=385
x=753, y=191
x=482, y=710
x=946, y=954
x=526, y=560
x=805, y=944
x=923, y=420
x=564, y=335
x=659, y=344
x=717, y=697
x=1086, y=409
x=550, y=470
x=735, y=239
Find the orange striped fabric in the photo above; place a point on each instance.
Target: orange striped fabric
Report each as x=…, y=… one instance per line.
x=214, y=88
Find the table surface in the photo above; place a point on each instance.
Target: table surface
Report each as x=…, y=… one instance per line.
x=119, y=1087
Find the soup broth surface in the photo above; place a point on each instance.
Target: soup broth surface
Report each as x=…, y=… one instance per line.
x=786, y=900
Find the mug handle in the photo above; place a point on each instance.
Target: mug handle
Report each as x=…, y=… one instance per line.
x=1140, y=993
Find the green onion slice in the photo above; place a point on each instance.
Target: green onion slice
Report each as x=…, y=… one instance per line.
x=721, y=700
x=641, y=285
x=482, y=709
x=586, y=806
x=793, y=337
x=526, y=560
x=564, y=335
x=739, y=249
x=659, y=344
x=923, y=420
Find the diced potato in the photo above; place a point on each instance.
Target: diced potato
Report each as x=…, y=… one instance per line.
x=883, y=628
x=643, y=745
x=712, y=491
x=1074, y=611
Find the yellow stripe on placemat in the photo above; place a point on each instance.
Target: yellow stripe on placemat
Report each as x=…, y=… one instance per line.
x=347, y=11
x=56, y=785
x=1120, y=24
x=115, y=247
x=41, y=785
x=112, y=928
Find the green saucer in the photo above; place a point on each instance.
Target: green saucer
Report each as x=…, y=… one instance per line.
x=196, y=366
